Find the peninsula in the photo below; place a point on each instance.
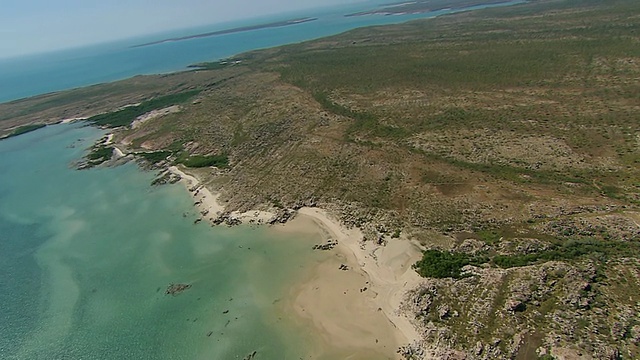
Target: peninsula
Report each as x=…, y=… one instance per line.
x=233, y=30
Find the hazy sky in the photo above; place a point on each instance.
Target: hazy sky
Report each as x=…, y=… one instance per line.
x=28, y=26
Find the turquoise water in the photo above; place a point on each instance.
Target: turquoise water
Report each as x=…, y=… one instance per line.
x=38, y=74
x=85, y=258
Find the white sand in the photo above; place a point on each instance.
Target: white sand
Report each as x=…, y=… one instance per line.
x=68, y=121
x=118, y=153
x=385, y=271
x=207, y=202
x=351, y=322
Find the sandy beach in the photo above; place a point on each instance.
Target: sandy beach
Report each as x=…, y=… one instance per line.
x=206, y=202
x=209, y=206
x=351, y=299
x=71, y=120
x=356, y=310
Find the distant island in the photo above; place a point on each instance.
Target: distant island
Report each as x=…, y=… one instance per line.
x=422, y=6
x=233, y=30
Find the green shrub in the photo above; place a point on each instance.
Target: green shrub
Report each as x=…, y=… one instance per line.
x=100, y=154
x=442, y=264
x=199, y=161
x=124, y=117
x=154, y=157
x=25, y=129
x=570, y=250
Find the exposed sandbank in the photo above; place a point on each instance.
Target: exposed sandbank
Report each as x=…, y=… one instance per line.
x=231, y=31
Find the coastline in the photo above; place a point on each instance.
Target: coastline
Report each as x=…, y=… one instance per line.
x=208, y=205
x=231, y=31
x=358, y=309
x=538, y=238
x=388, y=268
x=354, y=313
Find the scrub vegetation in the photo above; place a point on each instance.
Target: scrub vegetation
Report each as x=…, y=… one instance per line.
x=25, y=129
x=126, y=115
x=505, y=141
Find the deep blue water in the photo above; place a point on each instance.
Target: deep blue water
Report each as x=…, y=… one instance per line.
x=38, y=74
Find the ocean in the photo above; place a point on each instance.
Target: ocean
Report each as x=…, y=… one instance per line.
x=86, y=256
x=37, y=74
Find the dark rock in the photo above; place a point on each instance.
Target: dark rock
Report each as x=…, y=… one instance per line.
x=514, y=305
x=444, y=311
x=166, y=177
x=227, y=219
x=175, y=289
x=251, y=356
x=479, y=348
x=282, y=216
x=325, y=247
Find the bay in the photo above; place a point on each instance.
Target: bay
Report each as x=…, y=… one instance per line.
x=86, y=257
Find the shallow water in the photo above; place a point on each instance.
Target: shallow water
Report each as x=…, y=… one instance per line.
x=86, y=256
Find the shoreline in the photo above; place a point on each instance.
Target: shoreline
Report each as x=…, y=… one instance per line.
x=368, y=303
x=387, y=267
x=210, y=208
x=354, y=312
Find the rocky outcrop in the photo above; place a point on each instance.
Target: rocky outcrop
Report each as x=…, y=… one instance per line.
x=166, y=177
x=282, y=216
x=503, y=313
x=176, y=289
x=329, y=245
x=227, y=218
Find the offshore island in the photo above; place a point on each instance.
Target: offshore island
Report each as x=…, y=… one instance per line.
x=423, y=6
x=477, y=173
x=232, y=31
